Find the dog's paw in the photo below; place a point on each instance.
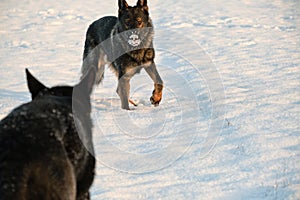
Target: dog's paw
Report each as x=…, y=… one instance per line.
x=154, y=102
x=156, y=94
x=156, y=98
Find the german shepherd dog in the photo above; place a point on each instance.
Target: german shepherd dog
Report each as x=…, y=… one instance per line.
x=126, y=44
x=42, y=155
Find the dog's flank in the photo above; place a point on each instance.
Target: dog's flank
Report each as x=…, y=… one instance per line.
x=41, y=154
x=125, y=43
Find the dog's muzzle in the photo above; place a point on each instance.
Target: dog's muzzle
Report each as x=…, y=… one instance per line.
x=134, y=39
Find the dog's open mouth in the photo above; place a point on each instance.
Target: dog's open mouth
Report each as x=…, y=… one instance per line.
x=134, y=39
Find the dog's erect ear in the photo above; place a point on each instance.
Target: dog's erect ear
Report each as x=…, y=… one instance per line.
x=34, y=85
x=123, y=4
x=88, y=81
x=143, y=4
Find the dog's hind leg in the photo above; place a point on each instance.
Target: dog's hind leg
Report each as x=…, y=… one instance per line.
x=100, y=66
x=90, y=56
x=95, y=58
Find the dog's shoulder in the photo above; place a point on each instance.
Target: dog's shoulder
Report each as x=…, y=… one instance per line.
x=37, y=116
x=30, y=130
x=102, y=27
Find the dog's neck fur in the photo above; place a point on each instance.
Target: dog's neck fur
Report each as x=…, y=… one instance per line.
x=132, y=52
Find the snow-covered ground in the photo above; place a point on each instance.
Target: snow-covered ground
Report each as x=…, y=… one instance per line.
x=228, y=125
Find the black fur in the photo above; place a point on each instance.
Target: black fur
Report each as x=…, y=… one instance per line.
x=41, y=153
x=107, y=42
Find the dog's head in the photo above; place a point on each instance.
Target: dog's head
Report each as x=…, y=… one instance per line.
x=133, y=17
x=62, y=93
x=134, y=20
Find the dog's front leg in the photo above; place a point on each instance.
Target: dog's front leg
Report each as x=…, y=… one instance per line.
x=158, y=84
x=123, y=91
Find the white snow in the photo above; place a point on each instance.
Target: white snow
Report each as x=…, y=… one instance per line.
x=228, y=124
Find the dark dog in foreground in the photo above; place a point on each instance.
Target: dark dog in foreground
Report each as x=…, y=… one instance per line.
x=126, y=44
x=42, y=155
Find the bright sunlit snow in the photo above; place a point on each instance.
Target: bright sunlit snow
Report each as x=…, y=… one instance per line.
x=228, y=124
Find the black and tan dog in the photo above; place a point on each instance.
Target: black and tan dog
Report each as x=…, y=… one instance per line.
x=126, y=44
x=42, y=153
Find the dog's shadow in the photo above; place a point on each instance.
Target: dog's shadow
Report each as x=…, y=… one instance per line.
x=113, y=103
x=105, y=104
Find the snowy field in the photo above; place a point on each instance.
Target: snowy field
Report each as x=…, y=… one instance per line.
x=228, y=124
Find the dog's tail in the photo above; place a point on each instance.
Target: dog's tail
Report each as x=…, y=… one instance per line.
x=93, y=56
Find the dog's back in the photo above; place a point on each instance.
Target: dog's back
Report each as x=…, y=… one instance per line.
x=34, y=163
x=98, y=32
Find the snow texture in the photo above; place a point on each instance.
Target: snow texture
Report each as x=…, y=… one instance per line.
x=228, y=124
